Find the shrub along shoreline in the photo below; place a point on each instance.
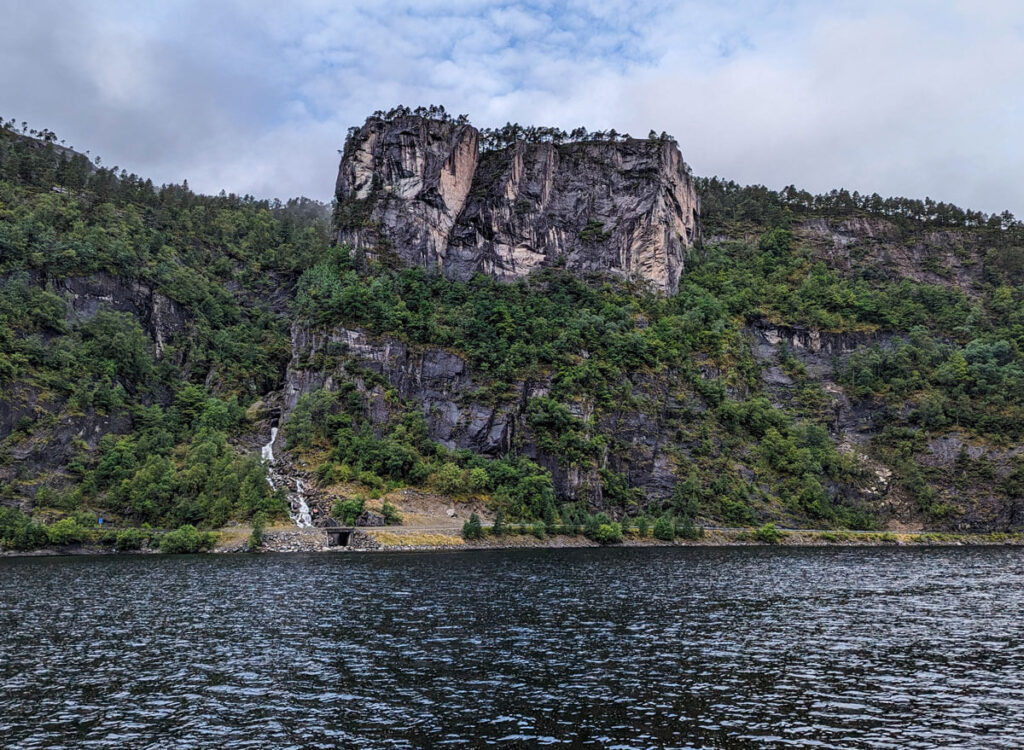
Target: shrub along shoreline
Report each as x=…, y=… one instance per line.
x=84, y=531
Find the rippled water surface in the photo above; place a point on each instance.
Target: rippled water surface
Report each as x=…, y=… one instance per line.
x=841, y=648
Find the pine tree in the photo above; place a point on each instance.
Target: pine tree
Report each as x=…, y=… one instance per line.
x=472, y=529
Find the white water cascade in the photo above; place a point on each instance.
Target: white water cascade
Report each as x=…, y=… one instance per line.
x=267, y=453
x=298, y=509
x=302, y=515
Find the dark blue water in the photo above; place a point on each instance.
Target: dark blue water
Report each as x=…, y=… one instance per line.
x=731, y=648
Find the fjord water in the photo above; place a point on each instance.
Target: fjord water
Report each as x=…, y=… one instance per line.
x=682, y=647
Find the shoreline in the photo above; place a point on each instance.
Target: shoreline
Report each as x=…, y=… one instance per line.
x=368, y=542
x=719, y=538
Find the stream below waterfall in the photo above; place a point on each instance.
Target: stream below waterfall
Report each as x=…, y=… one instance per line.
x=298, y=508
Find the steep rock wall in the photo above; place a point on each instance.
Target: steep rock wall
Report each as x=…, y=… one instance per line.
x=161, y=317
x=418, y=189
x=441, y=385
x=402, y=185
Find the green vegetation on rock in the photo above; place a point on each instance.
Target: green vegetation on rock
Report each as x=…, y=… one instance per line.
x=829, y=361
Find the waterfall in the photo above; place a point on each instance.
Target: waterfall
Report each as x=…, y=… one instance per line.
x=267, y=453
x=302, y=516
x=298, y=509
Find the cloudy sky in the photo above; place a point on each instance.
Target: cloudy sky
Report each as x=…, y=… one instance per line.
x=895, y=96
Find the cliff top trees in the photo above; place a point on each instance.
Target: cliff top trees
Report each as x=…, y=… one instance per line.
x=510, y=133
x=494, y=139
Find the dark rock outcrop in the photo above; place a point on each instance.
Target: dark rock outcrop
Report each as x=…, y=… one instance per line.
x=58, y=435
x=162, y=318
x=370, y=519
x=458, y=416
x=419, y=189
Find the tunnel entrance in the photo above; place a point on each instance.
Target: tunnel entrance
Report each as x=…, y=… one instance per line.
x=338, y=537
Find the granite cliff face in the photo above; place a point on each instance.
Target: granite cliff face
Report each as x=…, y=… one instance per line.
x=403, y=184
x=419, y=190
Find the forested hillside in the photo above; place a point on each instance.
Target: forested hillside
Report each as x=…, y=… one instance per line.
x=836, y=360
x=138, y=323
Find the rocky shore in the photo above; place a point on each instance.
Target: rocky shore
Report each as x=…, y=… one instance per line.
x=724, y=539
x=397, y=539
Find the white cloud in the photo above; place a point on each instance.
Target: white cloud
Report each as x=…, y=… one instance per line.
x=910, y=98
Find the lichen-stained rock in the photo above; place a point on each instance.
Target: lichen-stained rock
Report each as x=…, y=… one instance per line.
x=627, y=208
x=416, y=189
x=402, y=184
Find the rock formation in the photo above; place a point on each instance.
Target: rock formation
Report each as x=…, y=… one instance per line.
x=402, y=185
x=443, y=387
x=418, y=190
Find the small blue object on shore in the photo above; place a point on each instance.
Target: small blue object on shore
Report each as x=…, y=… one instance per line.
x=101, y=522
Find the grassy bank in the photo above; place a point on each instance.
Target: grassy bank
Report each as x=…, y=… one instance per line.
x=397, y=539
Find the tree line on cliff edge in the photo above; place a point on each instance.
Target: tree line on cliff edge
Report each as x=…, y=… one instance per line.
x=509, y=134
